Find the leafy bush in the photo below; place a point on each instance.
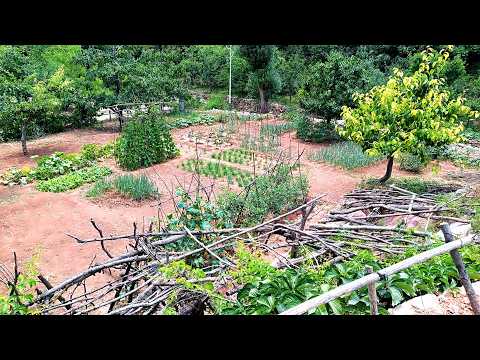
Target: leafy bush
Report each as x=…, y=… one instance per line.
x=195, y=214
x=272, y=194
x=412, y=163
x=216, y=101
x=329, y=85
x=73, y=179
x=145, y=141
x=314, y=130
x=94, y=152
x=135, y=187
x=345, y=154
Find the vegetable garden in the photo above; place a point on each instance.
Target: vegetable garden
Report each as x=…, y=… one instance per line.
x=340, y=166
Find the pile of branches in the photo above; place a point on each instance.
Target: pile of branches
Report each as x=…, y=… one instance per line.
x=132, y=283
x=358, y=224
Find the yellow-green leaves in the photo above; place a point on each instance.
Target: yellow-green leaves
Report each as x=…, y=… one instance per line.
x=408, y=113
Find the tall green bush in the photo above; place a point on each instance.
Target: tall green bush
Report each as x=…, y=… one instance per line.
x=146, y=140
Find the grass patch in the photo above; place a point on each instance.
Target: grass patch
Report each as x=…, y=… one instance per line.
x=346, y=154
x=73, y=180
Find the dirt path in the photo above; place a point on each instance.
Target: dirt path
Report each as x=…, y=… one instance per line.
x=31, y=220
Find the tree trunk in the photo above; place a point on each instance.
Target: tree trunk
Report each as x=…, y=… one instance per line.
x=181, y=104
x=24, y=139
x=263, y=101
x=388, y=173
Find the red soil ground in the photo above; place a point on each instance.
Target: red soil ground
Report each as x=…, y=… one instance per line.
x=31, y=220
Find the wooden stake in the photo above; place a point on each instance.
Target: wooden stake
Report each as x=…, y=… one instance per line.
x=462, y=272
x=372, y=294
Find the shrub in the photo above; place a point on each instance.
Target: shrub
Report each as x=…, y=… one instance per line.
x=330, y=84
x=73, y=180
x=136, y=187
x=346, y=154
x=316, y=131
x=410, y=162
x=145, y=141
x=216, y=101
x=272, y=194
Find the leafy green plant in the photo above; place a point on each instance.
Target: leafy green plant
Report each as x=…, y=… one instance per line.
x=195, y=214
x=145, y=141
x=238, y=156
x=14, y=176
x=22, y=293
x=136, y=187
x=272, y=193
x=73, y=180
x=217, y=170
x=216, y=101
x=347, y=154
x=315, y=130
x=411, y=162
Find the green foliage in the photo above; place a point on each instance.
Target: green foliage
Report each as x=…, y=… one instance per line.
x=414, y=184
x=100, y=187
x=195, y=214
x=312, y=130
x=73, y=180
x=145, y=141
x=27, y=92
x=412, y=163
x=272, y=194
x=14, y=176
x=94, y=152
x=216, y=101
x=250, y=266
x=278, y=290
x=238, y=156
x=58, y=163
x=195, y=118
x=408, y=114
x=329, y=85
x=346, y=154
x=264, y=77
x=15, y=303
x=136, y=187
x=275, y=129
x=217, y=170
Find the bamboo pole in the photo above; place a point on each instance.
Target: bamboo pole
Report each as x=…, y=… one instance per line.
x=372, y=294
x=372, y=278
x=462, y=272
